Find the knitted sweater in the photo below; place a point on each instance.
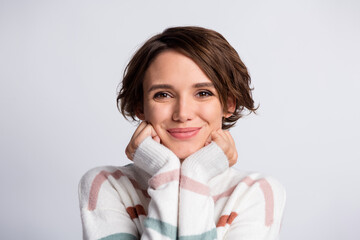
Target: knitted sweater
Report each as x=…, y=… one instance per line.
x=156, y=197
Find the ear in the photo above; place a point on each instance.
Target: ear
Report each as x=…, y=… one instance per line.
x=231, y=105
x=140, y=113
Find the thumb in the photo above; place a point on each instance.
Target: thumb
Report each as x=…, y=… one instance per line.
x=156, y=138
x=153, y=133
x=215, y=135
x=218, y=138
x=208, y=140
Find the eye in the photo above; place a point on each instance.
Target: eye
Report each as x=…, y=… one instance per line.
x=161, y=95
x=204, y=94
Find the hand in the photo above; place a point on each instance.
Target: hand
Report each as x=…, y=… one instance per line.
x=143, y=131
x=225, y=141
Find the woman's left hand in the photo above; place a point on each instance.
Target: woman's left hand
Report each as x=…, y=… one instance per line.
x=225, y=141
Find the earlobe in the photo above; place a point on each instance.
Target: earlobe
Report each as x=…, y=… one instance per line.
x=231, y=105
x=140, y=114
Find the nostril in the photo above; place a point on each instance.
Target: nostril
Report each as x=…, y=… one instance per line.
x=183, y=110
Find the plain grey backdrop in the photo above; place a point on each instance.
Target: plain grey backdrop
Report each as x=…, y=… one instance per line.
x=61, y=62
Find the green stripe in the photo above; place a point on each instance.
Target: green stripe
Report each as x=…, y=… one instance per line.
x=120, y=236
x=164, y=228
x=204, y=236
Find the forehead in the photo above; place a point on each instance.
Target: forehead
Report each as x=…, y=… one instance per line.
x=173, y=67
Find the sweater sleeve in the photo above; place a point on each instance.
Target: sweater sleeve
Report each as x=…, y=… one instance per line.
x=111, y=209
x=196, y=206
x=164, y=167
x=253, y=210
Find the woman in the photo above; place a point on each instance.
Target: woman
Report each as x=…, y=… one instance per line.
x=187, y=85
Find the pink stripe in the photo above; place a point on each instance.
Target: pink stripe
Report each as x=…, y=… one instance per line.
x=268, y=195
x=248, y=181
x=163, y=178
x=96, y=185
x=224, y=194
x=194, y=186
x=100, y=179
x=228, y=192
x=269, y=201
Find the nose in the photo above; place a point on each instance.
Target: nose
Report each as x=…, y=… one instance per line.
x=183, y=110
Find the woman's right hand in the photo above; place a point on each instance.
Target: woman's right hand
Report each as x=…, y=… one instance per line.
x=142, y=131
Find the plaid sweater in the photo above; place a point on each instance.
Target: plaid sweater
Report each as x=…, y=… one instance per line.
x=156, y=197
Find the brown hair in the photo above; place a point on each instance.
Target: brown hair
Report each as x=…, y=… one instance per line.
x=209, y=50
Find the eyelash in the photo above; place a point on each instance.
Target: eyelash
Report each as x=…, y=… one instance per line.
x=161, y=95
x=201, y=94
x=208, y=94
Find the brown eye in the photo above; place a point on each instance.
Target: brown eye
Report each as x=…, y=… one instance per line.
x=161, y=95
x=203, y=94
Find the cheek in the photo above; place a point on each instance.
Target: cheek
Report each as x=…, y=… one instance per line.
x=155, y=113
x=213, y=114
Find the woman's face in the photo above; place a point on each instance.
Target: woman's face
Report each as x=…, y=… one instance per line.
x=181, y=103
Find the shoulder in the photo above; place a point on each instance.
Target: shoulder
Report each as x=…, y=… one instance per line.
x=250, y=186
x=254, y=179
x=110, y=183
x=99, y=174
x=263, y=190
x=251, y=195
x=263, y=183
x=105, y=179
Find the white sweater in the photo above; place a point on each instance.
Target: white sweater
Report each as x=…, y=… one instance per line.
x=159, y=198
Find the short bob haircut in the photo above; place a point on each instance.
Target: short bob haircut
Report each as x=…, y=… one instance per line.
x=209, y=50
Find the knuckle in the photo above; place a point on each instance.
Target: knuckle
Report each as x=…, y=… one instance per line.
x=136, y=143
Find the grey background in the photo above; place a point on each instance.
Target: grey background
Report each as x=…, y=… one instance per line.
x=61, y=62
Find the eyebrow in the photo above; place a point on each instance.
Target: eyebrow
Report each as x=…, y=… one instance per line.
x=167, y=86
x=205, y=84
x=160, y=86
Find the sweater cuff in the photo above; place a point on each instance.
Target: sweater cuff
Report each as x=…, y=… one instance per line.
x=206, y=163
x=151, y=156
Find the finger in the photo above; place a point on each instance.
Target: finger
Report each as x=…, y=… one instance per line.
x=153, y=132
x=208, y=140
x=233, y=158
x=217, y=135
x=221, y=140
x=227, y=144
x=132, y=146
x=146, y=132
x=139, y=129
x=222, y=136
x=230, y=138
x=128, y=153
x=234, y=154
x=222, y=133
x=233, y=144
x=230, y=141
x=157, y=139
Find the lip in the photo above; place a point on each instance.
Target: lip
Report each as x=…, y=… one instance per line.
x=184, y=133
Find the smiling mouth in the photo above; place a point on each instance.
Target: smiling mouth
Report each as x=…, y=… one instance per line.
x=184, y=133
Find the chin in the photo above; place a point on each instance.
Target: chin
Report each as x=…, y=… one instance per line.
x=183, y=152
x=183, y=156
